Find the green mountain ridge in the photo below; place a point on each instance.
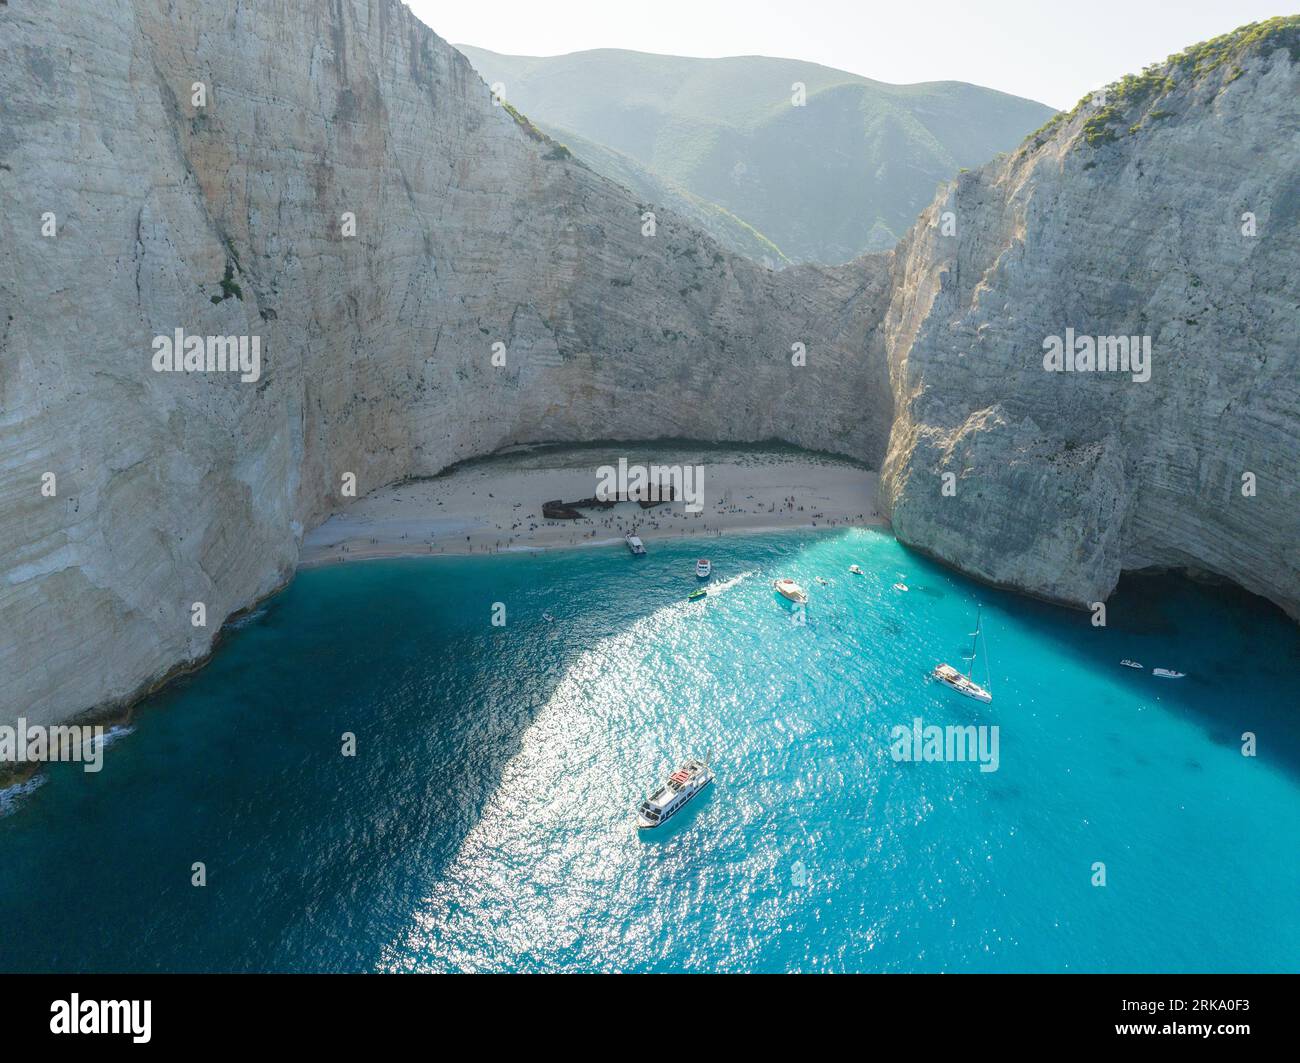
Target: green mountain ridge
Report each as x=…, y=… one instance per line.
x=721, y=141
x=727, y=229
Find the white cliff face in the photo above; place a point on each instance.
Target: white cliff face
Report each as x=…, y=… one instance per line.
x=473, y=230
x=1064, y=480
x=376, y=350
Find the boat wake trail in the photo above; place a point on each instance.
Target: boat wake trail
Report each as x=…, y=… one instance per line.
x=725, y=585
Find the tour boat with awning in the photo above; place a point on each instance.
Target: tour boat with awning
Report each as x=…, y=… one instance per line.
x=682, y=785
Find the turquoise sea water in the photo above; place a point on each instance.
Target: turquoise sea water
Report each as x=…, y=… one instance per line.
x=486, y=821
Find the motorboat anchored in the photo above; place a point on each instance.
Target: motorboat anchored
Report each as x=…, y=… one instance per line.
x=855, y=570
x=1166, y=673
x=1126, y=663
x=682, y=785
x=704, y=568
x=964, y=684
x=791, y=591
x=635, y=545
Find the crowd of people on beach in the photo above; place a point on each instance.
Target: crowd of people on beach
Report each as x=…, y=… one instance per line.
x=522, y=531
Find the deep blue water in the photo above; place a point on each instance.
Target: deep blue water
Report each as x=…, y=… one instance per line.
x=486, y=822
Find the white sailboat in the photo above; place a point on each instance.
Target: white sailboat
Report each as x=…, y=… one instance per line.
x=964, y=684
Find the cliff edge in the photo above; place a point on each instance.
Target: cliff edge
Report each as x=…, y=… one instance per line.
x=1164, y=212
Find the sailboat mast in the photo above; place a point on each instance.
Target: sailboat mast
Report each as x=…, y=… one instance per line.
x=975, y=640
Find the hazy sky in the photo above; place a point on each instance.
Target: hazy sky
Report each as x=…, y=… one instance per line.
x=1048, y=50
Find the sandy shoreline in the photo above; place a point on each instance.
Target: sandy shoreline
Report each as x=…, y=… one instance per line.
x=495, y=506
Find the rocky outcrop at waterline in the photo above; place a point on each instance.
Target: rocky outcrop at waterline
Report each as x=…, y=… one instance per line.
x=430, y=278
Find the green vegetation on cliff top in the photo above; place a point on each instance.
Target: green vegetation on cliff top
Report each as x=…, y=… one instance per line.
x=1133, y=91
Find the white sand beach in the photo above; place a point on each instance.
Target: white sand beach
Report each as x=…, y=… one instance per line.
x=495, y=505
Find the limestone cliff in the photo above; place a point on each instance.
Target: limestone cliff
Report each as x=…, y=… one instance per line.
x=471, y=229
x=1169, y=209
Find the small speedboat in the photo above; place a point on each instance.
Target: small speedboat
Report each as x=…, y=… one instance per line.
x=788, y=589
x=548, y=618
x=1132, y=664
x=682, y=785
x=900, y=587
x=856, y=571
x=704, y=568
x=696, y=596
x=1165, y=673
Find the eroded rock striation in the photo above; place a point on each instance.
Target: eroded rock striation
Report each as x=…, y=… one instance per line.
x=1169, y=210
x=230, y=218
x=472, y=229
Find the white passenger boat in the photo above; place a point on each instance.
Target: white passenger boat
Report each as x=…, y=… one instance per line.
x=790, y=590
x=1132, y=664
x=964, y=684
x=682, y=785
x=635, y=545
x=703, y=568
x=1165, y=673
